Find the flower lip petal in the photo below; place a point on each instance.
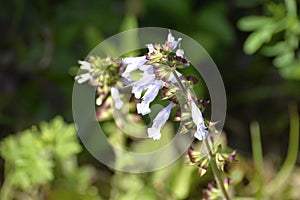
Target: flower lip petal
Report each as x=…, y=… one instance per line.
x=202, y=131
x=180, y=52
x=158, y=122
x=84, y=65
x=116, y=96
x=133, y=63
x=83, y=78
x=171, y=42
x=154, y=133
x=149, y=96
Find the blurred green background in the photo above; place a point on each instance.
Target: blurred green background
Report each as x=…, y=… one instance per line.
x=41, y=41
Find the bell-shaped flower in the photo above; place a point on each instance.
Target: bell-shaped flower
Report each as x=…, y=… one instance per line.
x=116, y=97
x=152, y=91
x=201, y=131
x=133, y=63
x=158, y=122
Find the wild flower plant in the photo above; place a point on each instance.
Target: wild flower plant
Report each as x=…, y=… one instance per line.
x=146, y=76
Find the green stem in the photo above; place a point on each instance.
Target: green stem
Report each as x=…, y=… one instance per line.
x=215, y=170
x=283, y=175
x=211, y=155
x=257, y=157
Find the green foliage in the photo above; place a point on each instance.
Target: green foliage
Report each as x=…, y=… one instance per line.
x=277, y=35
x=41, y=161
x=28, y=163
x=279, y=185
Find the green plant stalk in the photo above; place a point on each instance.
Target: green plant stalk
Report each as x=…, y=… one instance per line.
x=216, y=171
x=6, y=188
x=257, y=157
x=211, y=157
x=291, y=7
x=284, y=174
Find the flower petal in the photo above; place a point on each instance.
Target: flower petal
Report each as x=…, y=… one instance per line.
x=142, y=84
x=83, y=78
x=154, y=133
x=143, y=108
x=84, y=65
x=202, y=131
x=180, y=52
x=171, y=42
x=116, y=96
x=133, y=63
x=158, y=122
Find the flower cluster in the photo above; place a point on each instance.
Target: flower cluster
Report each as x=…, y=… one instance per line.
x=147, y=75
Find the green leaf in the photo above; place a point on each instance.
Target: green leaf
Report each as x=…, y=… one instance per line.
x=251, y=23
x=256, y=40
x=30, y=163
x=275, y=49
x=285, y=59
x=292, y=71
x=61, y=138
x=182, y=182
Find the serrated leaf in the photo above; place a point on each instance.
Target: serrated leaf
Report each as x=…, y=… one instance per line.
x=31, y=163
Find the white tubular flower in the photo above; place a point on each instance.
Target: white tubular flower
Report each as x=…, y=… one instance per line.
x=133, y=63
x=152, y=91
x=84, y=65
x=83, y=78
x=116, y=97
x=202, y=131
x=150, y=48
x=143, y=83
x=158, y=122
x=171, y=42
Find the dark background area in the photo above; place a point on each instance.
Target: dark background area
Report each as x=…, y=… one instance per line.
x=41, y=42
